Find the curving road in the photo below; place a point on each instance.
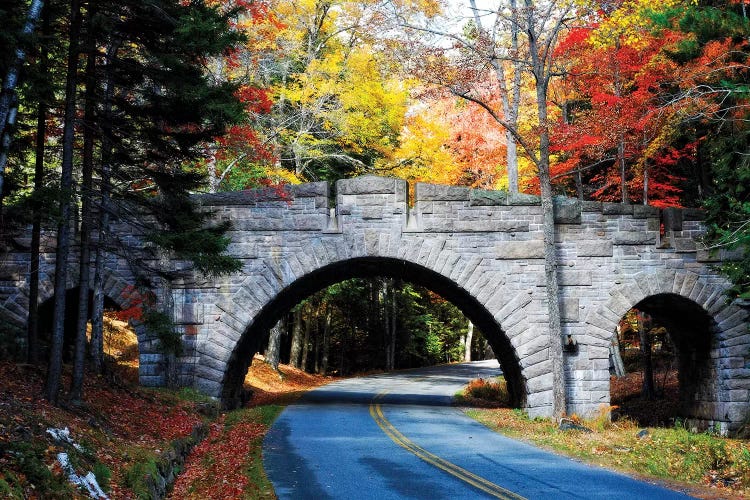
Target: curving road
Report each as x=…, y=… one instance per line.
x=395, y=436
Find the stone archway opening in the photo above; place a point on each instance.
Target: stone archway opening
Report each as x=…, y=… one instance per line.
x=377, y=323
x=121, y=351
x=661, y=361
x=256, y=334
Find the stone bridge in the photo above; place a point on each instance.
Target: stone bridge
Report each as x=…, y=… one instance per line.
x=483, y=251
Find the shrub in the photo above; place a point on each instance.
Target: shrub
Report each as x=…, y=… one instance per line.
x=488, y=390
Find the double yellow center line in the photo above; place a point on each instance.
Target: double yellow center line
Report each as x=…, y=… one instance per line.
x=376, y=412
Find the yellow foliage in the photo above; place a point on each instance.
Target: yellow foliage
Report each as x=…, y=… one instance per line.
x=422, y=154
x=627, y=24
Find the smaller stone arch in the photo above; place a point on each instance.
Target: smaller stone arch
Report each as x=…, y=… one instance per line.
x=712, y=338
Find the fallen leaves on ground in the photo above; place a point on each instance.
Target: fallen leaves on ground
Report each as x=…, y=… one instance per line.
x=228, y=463
x=116, y=425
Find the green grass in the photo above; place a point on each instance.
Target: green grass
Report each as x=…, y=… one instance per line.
x=673, y=454
x=265, y=415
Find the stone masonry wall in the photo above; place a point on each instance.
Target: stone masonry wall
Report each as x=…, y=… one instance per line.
x=487, y=245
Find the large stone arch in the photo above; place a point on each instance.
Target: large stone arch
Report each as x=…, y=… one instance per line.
x=250, y=340
x=712, y=327
x=474, y=282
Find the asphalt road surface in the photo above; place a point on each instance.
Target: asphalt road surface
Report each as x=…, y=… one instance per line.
x=395, y=435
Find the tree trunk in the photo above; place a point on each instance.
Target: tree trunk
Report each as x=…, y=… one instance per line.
x=306, y=340
x=52, y=384
x=394, y=315
x=538, y=63
x=467, y=341
x=32, y=348
x=326, y=348
x=387, y=334
x=511, y=157
x=97, y=307
x=510, y=99
x=296, y=348
x=274, y=345
x=8, y=102
x=647, y=391
x=623, y=169
x=79, y=360
x=213, y=178
x=614, y=354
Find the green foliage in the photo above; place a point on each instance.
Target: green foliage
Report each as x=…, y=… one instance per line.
x=7, y=491
x=203, y=247
x=429, y=329
x=161, y=326
x=27, y=456
x=10, y=336
x=138, y=476
x=103, y=475
x=725, y=139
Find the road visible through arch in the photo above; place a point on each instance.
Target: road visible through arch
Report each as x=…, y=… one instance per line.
x=395, y=435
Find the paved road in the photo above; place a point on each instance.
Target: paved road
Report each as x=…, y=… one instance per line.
x=395, y=436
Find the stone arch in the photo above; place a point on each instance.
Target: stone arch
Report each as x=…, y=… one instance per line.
x=712, y=336
x=18, y=304
x=244, y=332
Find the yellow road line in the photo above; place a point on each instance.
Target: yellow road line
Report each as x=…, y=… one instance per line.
x=376, y=412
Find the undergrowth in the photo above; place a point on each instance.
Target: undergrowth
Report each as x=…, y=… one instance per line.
x=484, y=392
x=673, y=453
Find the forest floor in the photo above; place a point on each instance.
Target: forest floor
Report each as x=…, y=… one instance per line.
x=122, y=430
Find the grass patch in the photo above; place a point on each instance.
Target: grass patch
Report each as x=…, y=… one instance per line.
x=664, y=453
x=137, y=477
x=264, y=415
x=30, y=472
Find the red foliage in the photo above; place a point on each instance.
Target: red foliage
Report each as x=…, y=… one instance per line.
x=137, y=301
x=215, y=467
x=256, y=99
x=616, y=116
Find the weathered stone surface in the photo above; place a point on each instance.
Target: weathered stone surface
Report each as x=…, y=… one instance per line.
x=567, y=211
x=634, y=238
x=569, y=310
x=369, y=184
x=484, y=247
x=645, y=211
x=594, y=248
x=483, y=197
x=521, y=199
x=310, y=190
x=437, y=192
x=617, y=209
x=520, y=250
